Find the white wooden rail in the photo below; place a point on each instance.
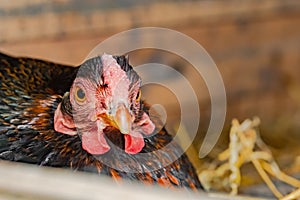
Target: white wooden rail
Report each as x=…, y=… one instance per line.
x=23, y=181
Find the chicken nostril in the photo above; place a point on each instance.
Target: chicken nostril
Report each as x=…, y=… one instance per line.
x=94, y=118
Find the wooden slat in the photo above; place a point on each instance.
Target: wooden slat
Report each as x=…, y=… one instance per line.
x=21, y=181
x=51, y=19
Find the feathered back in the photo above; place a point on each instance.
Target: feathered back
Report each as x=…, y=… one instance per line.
x=33, y=76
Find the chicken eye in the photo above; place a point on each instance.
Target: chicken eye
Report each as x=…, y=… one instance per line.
x=79, y=95
x=138, y=96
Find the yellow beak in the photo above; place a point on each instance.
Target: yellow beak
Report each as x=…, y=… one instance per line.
x=122, y=119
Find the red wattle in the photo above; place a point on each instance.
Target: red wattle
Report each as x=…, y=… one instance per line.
x=94, y=143
x=134, y=143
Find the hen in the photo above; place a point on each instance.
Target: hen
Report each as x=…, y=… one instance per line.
x=88, y=118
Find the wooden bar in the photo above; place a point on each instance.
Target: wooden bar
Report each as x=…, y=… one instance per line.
x=21, y=181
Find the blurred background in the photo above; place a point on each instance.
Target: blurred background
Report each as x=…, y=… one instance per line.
x=255, y=44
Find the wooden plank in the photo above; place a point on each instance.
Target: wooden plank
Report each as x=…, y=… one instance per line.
x=21, y=181
x=52, y=19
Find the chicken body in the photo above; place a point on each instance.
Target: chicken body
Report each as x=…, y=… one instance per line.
x=30, y=92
